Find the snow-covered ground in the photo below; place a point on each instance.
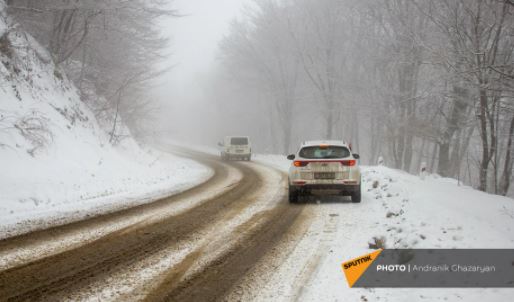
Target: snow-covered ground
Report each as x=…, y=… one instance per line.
x=408, y=211
x=47, y=190
x=57, y=164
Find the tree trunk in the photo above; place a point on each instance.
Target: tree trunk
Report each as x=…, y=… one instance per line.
x=458, y=106
x=432, y=160
x=330, y=121
x=444, y=157
x=484, y=162
x=507, y=165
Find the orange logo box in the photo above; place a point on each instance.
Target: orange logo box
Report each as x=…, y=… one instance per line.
x=354, y=268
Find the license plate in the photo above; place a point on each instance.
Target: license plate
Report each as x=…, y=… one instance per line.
x=325, y=175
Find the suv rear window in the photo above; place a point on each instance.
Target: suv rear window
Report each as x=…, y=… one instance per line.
x=324, y=152
x=239, y=141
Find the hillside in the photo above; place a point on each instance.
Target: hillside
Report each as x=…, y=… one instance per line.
x=57, y=163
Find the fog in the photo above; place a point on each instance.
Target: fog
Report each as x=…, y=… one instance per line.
x=398, y=79
x=186, y=108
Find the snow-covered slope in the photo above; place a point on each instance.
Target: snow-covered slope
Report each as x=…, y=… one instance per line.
x=56, y=162
x=405, y=211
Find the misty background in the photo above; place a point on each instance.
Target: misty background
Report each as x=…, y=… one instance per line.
x=422, y=84
x=183, y=93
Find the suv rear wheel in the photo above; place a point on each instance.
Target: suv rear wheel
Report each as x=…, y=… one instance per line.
x=293, y=195
x=356, y=196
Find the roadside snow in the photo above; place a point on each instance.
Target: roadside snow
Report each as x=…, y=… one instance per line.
x=408, y=211
x=48, y=190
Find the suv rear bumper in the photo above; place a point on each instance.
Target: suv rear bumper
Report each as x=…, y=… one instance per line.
x=236, y=155
x=327, y=187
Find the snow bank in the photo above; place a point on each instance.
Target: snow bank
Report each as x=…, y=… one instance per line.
x=56, y=162
x=434, y=212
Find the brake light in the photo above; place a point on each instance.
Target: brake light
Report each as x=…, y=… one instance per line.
x=349, y=163
x=299, y=163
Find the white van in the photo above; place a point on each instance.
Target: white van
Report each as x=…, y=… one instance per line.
x=236, y=147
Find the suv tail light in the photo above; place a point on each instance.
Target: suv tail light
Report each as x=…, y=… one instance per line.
x=350, y=162
x=299, y=163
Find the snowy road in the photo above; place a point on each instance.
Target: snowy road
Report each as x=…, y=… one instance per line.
x=166, y=250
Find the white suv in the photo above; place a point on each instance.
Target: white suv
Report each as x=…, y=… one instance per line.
x=324, y=166
x=236, y=147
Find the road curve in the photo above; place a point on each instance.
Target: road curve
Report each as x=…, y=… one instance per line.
x=250, y=218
